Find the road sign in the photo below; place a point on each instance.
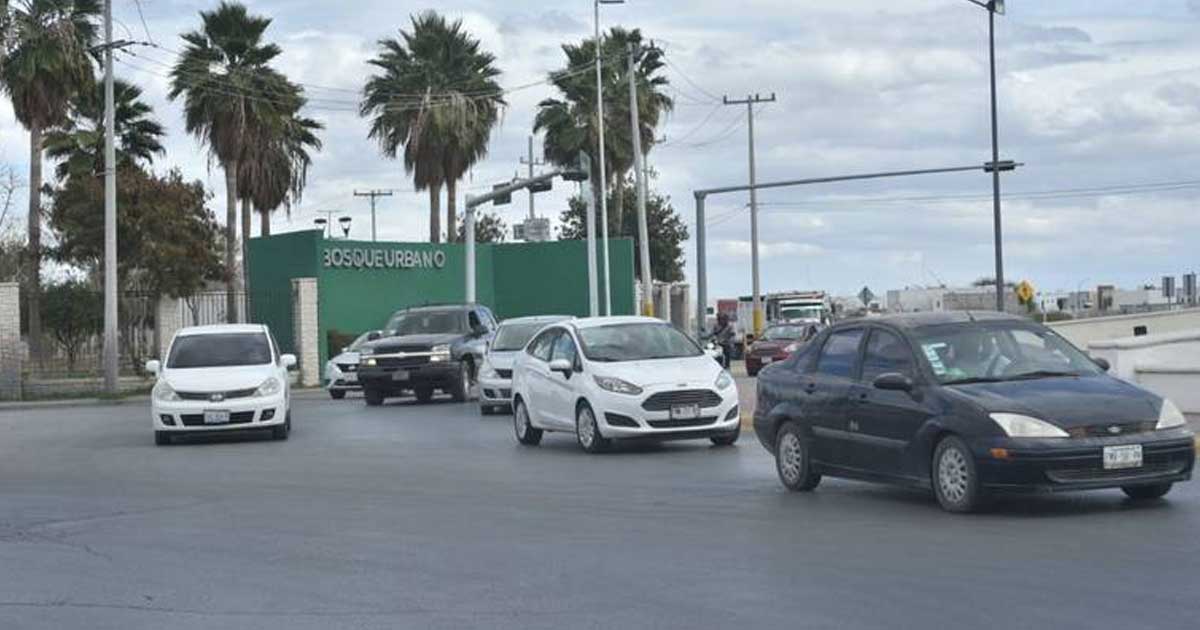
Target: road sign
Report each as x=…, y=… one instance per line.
x=866, y=296
x=1025, y=292
x=502, y=200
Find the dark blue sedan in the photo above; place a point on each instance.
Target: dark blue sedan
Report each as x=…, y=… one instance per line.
x=968, y=404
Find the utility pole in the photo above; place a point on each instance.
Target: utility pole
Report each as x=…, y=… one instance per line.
x=639, y=168
x=532, y=163
x=111, y=364
x=750, y=102
x=373, y=194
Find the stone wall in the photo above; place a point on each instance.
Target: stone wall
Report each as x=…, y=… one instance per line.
x=307, y=332
x=11, y=354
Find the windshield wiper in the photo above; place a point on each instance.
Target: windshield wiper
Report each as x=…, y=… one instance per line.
x=1040, y=374
x=974, y=379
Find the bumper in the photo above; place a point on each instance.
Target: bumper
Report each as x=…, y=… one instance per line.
x=337, y=379
x=495, y=391
x=1078, y=464
x=248, y=413
x=622, y=417
x=755, y=363
x=439, y=375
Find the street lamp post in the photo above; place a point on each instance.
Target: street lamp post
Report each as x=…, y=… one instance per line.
x=603, y=183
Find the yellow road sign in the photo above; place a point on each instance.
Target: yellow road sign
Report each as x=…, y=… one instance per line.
x=1025, y=292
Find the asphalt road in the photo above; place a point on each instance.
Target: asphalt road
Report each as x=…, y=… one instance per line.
x=432, y=517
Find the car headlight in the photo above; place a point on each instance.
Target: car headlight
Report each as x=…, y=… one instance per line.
x=1170, y=417
x=792, y=347
x=331, y=368
x=440, y=353
x=163, y=391
x=487, y=371
x=617, y=386
x=1017, y=425
x=724, y=380
x=369, y=362
x=270, y=387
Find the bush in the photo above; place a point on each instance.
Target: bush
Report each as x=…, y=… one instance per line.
x=72, y=312
x=338, y=340
x=1058, y=316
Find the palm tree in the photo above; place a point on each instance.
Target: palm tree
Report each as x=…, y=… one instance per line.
x=44, y=65
x=570, y=122
x=228, y=89
x=274, y=169
x=78, y=143
x=435, y=95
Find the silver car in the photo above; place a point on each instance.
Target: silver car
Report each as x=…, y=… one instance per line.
x=495, y=375
x=341, y=372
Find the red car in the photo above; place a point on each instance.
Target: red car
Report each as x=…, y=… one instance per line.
x=777, y=343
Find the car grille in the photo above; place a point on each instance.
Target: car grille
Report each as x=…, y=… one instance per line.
x=504, y=373
x=1102, y=430
x=1099, y=474
x=226, y=395
x=197, y=419
x=679, y=424
x=348, y=367
x=397, y=349
x=663, y=401
x=401, y=362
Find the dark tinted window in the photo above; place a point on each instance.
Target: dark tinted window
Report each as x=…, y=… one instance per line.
x=886, y=352
x=425, y=322
x=473, y=321
x=219, y=350
x=840, y=353
x=541, y=345
x=515, y=336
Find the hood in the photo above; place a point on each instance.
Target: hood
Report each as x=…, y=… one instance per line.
x=1068, y=402
x=346, y=357
x=391, y=344
x=700, y=371
x=502, y=360
x=218, y=379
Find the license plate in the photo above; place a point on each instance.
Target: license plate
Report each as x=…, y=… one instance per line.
x=350, y=378
x=767, y=360
x=685, y=412
x=1116, y=457
x=216, y=417
x=401, y=375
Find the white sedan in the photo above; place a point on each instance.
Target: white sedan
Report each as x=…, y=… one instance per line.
x=221, y=378
x=495, y=373
x=607, y=378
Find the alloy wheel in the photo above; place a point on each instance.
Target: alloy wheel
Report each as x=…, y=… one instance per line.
x=953, y=475
x=791, y=458
x=586, y=428
x=521, y=422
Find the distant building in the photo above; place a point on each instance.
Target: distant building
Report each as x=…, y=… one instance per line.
x=937, y=299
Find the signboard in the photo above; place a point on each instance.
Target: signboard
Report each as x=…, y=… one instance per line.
x=1025, y=292
x=382, y=258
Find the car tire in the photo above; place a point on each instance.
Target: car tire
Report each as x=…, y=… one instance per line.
x=587, y=430
x=1147, y=493
x=727, y=439
x=423, y=394
x=525, y=432
x=793, y=462
x=374, y=397
x=337, y=394
x=954, y=476
x=487, y=410
x=282, y=431
x=162, y=438
x=751, y=373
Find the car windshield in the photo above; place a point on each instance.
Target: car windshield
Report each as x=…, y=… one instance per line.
x=980, y=352
x=783, y=333
x=636, y=342
x=219, y=350
x=427, y=323
x=363, y=338
x=514, y=336
x=793, y=311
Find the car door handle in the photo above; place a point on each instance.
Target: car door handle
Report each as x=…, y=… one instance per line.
x=810, y=388
x=861, y=398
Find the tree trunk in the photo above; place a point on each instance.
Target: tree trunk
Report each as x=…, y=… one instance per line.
x=247, y=222
x=231, y=219
x=435, y=213
x=34, y=269
x=265, y=223
x=451, y=210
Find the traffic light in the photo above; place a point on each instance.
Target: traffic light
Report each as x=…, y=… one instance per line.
x=581, y=171
x=502, y=200
x=542, y=186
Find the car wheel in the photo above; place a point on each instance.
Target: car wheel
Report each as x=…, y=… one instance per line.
x=374, y=397
x=337, y=394
x=282, y=431
x=751, y=372
x=526, y=433
x=423, y=394
x=463, y=385
x=1146, y=493
x=486, y=410
x=727, y=439
x=792, y=461
x=955, y=480
x=162, y=438
x=587, y=430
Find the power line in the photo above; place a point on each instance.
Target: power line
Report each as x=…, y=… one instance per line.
x=1061, y=193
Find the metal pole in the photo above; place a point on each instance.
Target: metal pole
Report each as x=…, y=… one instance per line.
x=531, y=165
x=756, y=281
x=701, y=266
x=469, y=220
x=995, y=164
x=110, y=214
x=639, y=170
x=603, y=173
x=593, y=306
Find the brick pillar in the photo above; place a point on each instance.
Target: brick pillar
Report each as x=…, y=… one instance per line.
x=11, y=355
x=307, y=333
x=168, y=317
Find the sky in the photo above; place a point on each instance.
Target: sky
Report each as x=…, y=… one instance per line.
x=1100, y=99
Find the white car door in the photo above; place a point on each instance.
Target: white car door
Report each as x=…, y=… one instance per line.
x=538, y=390
x=564, y=388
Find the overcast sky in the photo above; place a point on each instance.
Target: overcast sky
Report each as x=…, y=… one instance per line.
x=1094, y=94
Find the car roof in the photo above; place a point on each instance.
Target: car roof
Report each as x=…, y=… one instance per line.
x=593, y=322
x=536, y=319
x=438, y=307
x=918, y=320
x=217, y=329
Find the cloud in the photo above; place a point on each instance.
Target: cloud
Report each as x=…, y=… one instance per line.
x=776, y=249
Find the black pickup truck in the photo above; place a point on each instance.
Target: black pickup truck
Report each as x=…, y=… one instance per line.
x=426, y=349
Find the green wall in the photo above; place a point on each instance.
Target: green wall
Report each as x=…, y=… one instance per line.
x=512, y=279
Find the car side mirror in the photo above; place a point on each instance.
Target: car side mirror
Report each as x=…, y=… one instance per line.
x=563, y=367
x=374, y=336
x=893, y=382
x=1102, y=363
x=288, y=360
x=153, y=367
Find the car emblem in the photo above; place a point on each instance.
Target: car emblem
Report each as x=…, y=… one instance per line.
x=218, y=397
x=1114, y=429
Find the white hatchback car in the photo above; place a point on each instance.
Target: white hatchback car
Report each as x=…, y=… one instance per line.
x=221, y=378
x=495, y=373
x=608, y=378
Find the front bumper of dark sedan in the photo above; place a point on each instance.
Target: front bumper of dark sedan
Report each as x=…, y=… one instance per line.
x=1059, y=465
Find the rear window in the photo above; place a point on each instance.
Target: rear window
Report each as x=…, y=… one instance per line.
x=220, y=350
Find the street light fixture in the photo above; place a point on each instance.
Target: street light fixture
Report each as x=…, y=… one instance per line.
x=603, y=175
x=345, y=223
x=323, y=224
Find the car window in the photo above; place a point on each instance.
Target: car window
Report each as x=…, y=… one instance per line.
x=564, y=348
x=840, y=353
x=425, y=322
x=636, y=342
x=998, y=351
x=886, y=352
x=473, y=320
x=274, y=345
x=489, y=319
x=219, y=350
x=541, y=345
